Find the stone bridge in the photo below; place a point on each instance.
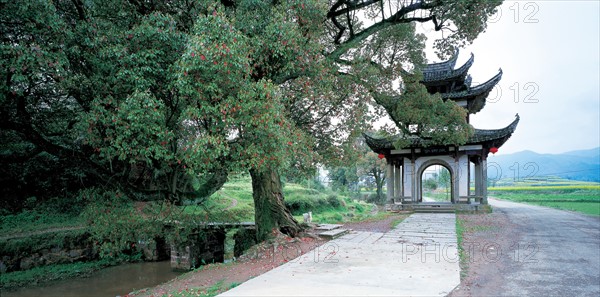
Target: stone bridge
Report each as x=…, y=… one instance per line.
x=205, y=244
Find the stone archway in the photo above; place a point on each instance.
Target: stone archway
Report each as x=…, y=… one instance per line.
x=439, y=162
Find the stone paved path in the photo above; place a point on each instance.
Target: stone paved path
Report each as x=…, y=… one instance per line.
x=417, y=258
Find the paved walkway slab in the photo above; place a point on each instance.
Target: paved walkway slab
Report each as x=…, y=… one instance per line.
x=417, y=258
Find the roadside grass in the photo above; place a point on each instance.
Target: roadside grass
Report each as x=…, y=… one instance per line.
x=463, y=227
x=462, y=254
x=211, y=291
x=479, y=228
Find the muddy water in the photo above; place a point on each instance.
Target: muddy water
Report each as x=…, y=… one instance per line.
x=112, y=281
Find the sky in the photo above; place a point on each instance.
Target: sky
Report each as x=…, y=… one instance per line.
x=549, y=51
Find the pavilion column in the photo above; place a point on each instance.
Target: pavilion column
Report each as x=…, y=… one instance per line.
x=478, y=176
x=413, y=181
x=455, y=182
x=469, y=194
x=398, y=181
x=484, y=197
x=389, y=179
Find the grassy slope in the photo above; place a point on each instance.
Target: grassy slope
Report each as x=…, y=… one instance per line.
x=234, y=203
x=32, y=221
x=559, y=193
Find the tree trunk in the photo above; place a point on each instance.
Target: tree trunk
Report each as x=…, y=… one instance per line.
x=270, y=211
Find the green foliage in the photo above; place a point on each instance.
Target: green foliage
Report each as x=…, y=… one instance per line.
x=435, y=121
x=430, y=184
x=215, y=81
x=334, y=201
x=366, y=169
x=444, y=178
x=117, y=224
x=343, y=178
x=359, y=208
x=465, y=19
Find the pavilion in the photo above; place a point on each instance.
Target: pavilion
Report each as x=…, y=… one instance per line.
x=405, y=166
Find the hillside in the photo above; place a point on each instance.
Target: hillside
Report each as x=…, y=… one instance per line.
x=583, y=165
x=234, y=202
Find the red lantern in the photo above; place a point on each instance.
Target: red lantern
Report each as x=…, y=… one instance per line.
x=493, y=150
x=381, y=156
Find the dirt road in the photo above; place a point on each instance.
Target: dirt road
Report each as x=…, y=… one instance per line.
x=541, y=252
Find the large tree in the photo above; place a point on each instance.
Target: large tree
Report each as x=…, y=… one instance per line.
x=87, y=94
x=359, y=52
x=127, y=95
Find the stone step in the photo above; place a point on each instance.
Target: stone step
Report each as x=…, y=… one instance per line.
x=328, y=227
x=332, y=234
x=435, y=210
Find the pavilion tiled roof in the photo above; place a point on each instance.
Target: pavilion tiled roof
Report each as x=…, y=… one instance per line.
x=455, y=84
x=475, y=96
x=442, y=66
x=487, y=138
x=445, y=70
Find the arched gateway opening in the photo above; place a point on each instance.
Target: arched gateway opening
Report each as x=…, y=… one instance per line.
x=436, y=182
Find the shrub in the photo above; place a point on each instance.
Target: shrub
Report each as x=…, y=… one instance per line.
x=334, y=201
x=373, y=198
x=359, y=208
x=299, y=202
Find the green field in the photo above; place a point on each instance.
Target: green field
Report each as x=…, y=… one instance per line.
x=558, y=193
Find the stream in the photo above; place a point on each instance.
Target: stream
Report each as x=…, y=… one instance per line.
x=110, y=282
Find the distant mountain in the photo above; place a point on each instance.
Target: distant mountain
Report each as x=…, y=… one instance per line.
x=581, y=165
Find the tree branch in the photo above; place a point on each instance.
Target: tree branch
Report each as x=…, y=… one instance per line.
x=398, y=18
